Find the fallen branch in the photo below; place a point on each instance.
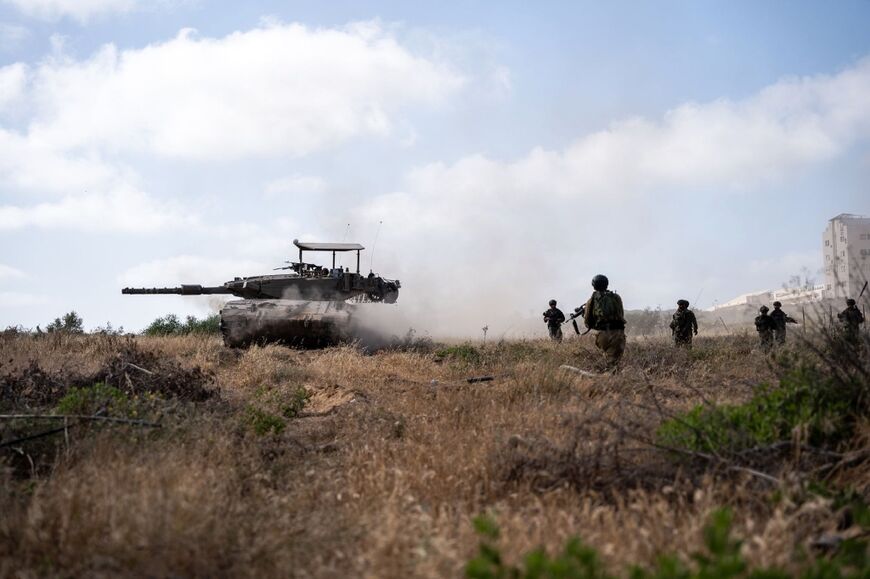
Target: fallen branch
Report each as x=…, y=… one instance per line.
x=35, y=436
x=140, y=368
x=480, y=379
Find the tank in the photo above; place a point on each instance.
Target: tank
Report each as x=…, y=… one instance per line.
x=309, y=306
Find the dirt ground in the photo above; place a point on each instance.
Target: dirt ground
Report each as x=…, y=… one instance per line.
x=279, y=462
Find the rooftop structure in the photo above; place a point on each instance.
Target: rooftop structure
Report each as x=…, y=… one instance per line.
x=846, y=248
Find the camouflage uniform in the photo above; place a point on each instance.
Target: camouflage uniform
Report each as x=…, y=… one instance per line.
x=765, y=325
x=609, y=326
x=554, y=318
x=851, y=318
x=683, y=326
x=780, y=319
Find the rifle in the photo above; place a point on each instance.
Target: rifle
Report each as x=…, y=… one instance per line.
x=863, y=289
x=578, y=313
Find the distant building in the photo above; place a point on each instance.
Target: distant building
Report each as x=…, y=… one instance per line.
x=794, y=295
x=846, y=248
x=750, y=299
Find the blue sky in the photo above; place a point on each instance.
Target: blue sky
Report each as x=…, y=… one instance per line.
x=511, y=150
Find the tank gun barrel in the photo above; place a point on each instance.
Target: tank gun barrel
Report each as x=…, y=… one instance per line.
x=182, y=290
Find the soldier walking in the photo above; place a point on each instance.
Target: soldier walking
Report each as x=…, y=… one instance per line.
x=554, y=318
x=851, y=318
x=604, y=314
x=684, y=325
x=764, y=325
x=780, y=319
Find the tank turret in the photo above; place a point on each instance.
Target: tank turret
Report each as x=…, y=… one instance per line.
x=310, y=305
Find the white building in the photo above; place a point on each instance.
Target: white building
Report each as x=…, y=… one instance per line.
x=846, y=249
x=788, y=296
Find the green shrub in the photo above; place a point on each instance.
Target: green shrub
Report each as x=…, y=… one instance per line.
x=721, y=559
x=208, y=325
x=805, y=398
x=462, y=352
x=297, y=400
x=91, y=399
x=171, y=325
x=70, y=323
x=264, y=423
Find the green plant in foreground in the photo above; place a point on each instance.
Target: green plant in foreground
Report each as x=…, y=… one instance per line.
x=805, y=398
x=91, y=399
x=721, y=559
x=264, y=423
x=298, y=399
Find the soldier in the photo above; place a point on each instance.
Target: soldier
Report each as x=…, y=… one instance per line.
x=851, y=318
x=604, y=314
x=765, y=325
x=684, y=325
x=780, y=319
x=554, y=318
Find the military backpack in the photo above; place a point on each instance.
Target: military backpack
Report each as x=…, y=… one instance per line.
x=605, y=307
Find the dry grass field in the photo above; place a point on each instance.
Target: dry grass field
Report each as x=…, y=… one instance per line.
x=279, y=462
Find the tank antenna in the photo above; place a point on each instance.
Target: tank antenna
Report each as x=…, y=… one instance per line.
x=343, y=239
x=372, y=254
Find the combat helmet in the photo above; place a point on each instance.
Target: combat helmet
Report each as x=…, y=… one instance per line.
x=777, y=304
x=600, y=282
x=684, y=303
x=764, y=309
x=553, y=303
x=850, y=302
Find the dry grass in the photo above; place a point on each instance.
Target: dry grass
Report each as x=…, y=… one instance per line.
x=384, y=470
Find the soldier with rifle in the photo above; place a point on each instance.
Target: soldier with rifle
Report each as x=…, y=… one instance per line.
x=684, y=325
x=851, y=318
x=554, y=318
x=764, y=325
x=604, y=313
x=781, y=319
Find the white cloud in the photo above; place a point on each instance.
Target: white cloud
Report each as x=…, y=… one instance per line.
x=28, y=164
x=273, y=91
x=20, y=299
x=80, y=10
x=295, y=185
x=278, y=90
x=490, y=229
x=12, y=85
x=189, y=269
x=12, y=35
x=8, y=272
x=127, y=211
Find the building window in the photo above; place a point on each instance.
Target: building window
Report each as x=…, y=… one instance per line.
x=827, y=243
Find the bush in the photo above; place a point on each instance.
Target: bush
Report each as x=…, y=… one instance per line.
x=721, y=559
x=297, y=401
x=91, y=399
x=264, y=423
x=171, y=325
x=824, y=406
x=70, y=323
x=109, y=330
x=463, y=352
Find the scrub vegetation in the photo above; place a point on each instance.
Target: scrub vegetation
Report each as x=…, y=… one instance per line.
x=715, y=462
